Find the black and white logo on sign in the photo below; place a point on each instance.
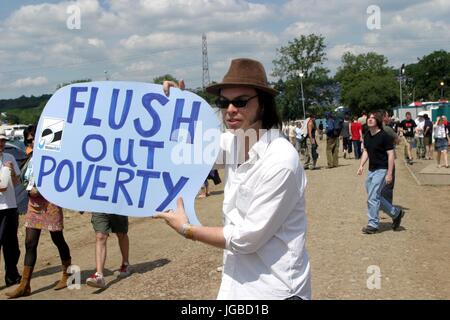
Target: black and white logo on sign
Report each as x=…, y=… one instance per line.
x=51, y=136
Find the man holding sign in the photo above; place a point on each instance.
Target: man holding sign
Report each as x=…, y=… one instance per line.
x=264, y=205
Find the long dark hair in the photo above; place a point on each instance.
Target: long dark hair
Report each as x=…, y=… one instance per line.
x=378, y=118
x=269, y=117
x=31, y=129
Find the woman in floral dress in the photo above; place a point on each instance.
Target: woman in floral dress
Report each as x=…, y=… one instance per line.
x=41, y=215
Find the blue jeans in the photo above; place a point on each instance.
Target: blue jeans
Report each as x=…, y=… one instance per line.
x=388, y=189
x=374, y=185
x=357, y=148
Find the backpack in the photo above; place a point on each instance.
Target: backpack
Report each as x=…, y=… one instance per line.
x=337, y=127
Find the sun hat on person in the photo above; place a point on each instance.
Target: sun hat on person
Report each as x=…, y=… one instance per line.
x=244, y=72
x=3, y=135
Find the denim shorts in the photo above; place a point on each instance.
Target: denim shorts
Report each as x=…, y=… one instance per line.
x=441, y=144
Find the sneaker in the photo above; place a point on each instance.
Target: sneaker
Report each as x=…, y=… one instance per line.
x=96, y=280
x=396, y=221
x=124, y=270
x=369, y=230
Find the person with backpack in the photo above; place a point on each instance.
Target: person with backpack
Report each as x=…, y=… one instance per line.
x=334, y=128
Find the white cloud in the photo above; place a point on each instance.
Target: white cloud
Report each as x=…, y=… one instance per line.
x=159, y=40
x=98, y=43
x=324, y=11
x=305, y=28
x=141, y=39
x=29, y=82
x=336, y=52
x=141, y=66
x=371, y=38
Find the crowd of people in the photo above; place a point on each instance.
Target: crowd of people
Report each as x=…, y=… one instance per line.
x=347, y=132
x=264, y=231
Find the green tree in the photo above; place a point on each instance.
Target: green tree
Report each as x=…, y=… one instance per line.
x=160, y=79
x=210, y=98
x=424, y=77
x=367, y=82
x=59, y=86
x=304, y=55
x=24, y=110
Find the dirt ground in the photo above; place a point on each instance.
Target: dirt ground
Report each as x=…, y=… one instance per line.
x=414, y=262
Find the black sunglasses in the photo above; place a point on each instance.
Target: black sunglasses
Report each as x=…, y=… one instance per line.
x=223, y=103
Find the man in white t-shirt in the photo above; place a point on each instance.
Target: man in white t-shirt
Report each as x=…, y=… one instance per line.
x=420, y=129
x=9, y=218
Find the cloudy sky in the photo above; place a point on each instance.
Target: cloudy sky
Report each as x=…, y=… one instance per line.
x=141, y=39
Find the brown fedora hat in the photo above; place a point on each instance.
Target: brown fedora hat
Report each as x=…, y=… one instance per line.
x=243, y=72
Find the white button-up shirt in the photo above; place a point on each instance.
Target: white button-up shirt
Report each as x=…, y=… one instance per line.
x=265, y=223
x=8, y=197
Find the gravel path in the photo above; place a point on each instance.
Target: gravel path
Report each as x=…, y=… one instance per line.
x=413, y=262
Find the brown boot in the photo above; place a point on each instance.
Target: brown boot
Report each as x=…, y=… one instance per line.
x=24, y=289
x=65, y=276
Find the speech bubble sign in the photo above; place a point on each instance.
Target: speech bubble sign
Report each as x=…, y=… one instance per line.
x=124, y=148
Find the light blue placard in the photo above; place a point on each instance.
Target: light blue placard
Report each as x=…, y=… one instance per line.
x=124, y=148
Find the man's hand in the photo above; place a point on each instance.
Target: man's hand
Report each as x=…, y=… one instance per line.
x=360, y=170
x=388, y=178
x=168, y=84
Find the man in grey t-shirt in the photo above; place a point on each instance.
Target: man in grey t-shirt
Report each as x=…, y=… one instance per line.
x=388, y=189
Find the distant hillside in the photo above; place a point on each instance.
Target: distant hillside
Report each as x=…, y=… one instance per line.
x=23, y=102
x=23, y=109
